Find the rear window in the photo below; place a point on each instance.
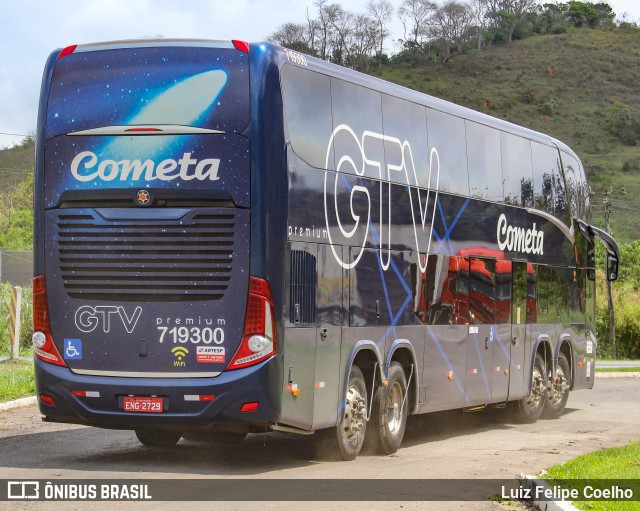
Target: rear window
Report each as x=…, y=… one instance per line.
x=189, y=86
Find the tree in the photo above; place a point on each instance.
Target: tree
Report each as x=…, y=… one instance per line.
x=363, y=42
x=450, y=26
x=508, y=15
x=413, y=15
x=381, y=12
x=294, y=36
x=479, y=12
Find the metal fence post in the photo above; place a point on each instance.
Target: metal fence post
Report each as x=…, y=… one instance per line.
x=14, y=312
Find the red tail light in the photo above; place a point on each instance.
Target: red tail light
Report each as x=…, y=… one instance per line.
x=241, y=45
x=47, y=400
x=43, y=345
x=259, y=336
x=67, y=51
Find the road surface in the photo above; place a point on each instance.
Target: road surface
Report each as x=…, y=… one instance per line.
x=451, y=445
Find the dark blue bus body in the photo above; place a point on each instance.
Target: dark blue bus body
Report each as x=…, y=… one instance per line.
x=243, y=238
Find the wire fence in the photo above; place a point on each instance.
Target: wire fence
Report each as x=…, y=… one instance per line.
x=16, y=267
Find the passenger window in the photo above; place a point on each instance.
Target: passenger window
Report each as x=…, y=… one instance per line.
x=447, y=136
x=516, y=170
x=445, y=292
x=484, y=162
x=482, y=291
x=571, y=177
x=548, y=182
x=407, y=122
x=307, y=95
x=357, y=110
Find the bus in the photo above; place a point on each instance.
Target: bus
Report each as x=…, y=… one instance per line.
x=235, y=238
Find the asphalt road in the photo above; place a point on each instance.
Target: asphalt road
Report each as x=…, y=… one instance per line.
x=449, y=445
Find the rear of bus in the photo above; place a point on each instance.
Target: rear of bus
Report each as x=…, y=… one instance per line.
x=145, y=311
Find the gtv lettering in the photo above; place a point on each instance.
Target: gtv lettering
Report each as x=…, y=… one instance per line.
x=398, y=167
x=85, y=167
x=89, y=318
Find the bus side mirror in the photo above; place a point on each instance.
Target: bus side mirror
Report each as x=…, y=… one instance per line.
x=612, y=267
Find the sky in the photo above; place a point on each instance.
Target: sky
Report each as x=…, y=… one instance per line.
x=32, y=29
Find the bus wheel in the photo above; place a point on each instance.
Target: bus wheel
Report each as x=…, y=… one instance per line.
x=558, y=393
x=389, y=413
x=158, y=437
x=346, y=439
x=530, y=407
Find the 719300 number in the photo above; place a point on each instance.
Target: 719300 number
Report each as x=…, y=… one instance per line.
x=194, y=335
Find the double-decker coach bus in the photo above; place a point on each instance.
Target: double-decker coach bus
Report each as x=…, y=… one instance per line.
x=236, y=237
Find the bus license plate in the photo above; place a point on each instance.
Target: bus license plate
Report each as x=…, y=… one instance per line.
x=143, y=404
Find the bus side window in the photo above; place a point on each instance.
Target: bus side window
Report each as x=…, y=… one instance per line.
x=483, y=157
x=445, y=296
x=447, y=136
x=482, y=291
x=516, y=170
x=406, y=122
x=548, y=182
x=307, y=95
x=360, y=109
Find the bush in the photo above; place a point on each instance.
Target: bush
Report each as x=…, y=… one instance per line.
x=622, y=123
x=632, y=165
x=626, y=304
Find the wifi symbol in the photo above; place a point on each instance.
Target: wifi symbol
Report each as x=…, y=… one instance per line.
x=180, y=352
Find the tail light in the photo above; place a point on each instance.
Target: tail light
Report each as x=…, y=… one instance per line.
x=43, y=345
x=67, y=51
x=240, y=45
x=259, y=336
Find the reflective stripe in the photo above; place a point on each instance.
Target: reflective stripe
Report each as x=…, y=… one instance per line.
x=91, y=372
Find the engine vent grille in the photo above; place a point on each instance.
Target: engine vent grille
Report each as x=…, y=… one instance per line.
x=302, y=287
x=150, y=260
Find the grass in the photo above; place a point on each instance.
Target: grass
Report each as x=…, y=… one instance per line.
x=617, y=464
x=618, y=370
x=16, y=380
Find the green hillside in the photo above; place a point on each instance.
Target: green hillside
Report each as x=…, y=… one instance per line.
x=563, y=85
x=15, y=164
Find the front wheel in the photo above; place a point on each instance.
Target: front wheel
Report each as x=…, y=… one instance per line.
x=530, y=408
x=389, y=413
x=345, y=440
x=158, y=437
x=558, y=393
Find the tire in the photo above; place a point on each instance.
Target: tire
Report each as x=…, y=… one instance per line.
x=558, y=393
x=158, y=437
x=530, y=408
x=344, y=441
x=389, y=413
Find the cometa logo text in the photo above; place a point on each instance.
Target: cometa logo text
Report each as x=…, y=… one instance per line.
x=519, y=239
x=85, y=167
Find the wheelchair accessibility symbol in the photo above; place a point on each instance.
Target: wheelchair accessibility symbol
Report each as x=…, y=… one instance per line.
x=73, y=349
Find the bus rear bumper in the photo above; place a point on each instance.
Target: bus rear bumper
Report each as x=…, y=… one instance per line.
x=102, y=404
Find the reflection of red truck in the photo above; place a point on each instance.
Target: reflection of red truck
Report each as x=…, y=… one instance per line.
x=464, y=294
x=471, y=292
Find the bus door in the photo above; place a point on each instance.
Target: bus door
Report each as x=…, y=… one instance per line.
x=502, y=350
x=331, y=304
x=518, y=384
x=480, y=348
x=299, y=344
